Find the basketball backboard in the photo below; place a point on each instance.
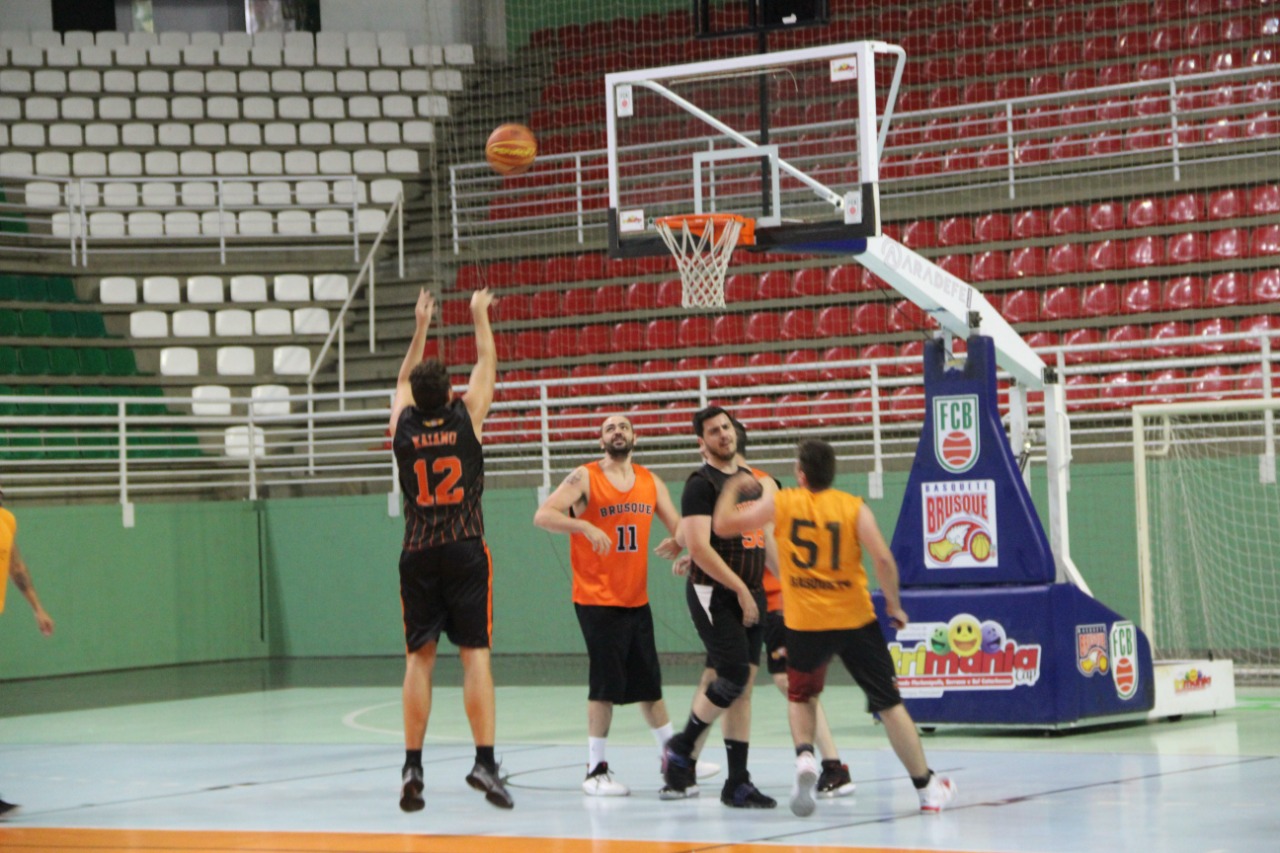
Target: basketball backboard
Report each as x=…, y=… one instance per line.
x=791, y=139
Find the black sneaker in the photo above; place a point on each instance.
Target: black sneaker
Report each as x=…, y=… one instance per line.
x=679, y=771
x=411, y=789
x=483, y=779
x=835, y=780
x=5, y=808
x=744, y=795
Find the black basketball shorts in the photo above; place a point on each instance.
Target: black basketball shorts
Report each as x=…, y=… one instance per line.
x=448, y=588
x=863, y=652
x=622, y=652
x=718, y=620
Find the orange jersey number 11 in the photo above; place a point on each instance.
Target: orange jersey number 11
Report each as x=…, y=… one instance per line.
x=447, y=490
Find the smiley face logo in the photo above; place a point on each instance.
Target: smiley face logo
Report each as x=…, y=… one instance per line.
x=939, y=641
x=965, y=634
x=992, y=637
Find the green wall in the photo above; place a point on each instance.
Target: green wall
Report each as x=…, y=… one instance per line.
x=316, y=577
x=526, y=16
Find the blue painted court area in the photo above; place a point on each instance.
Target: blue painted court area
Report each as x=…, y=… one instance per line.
x=326, y=760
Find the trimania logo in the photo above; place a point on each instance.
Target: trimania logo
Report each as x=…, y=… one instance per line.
x=931, y=658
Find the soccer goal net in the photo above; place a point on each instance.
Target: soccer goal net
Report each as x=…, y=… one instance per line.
x=1209, y=532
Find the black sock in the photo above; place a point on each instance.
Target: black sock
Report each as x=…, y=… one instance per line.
x=413, y=758
x=484, y=757
x=737, y=750
x=803, y=748
x=922, y=782
x=830, y=764
x=692, y=731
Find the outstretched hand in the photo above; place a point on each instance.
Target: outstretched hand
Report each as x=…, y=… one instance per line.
x=480, y=301
x=426, y=307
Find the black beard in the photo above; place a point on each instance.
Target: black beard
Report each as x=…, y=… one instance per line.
x=716, y=454
x=618, y=454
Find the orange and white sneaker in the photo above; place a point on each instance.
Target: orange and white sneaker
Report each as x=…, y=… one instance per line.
x=935, y=796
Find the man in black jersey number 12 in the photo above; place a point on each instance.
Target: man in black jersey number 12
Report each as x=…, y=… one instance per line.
x=446, y=575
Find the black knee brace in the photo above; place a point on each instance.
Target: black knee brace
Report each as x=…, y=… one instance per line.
x=728, y=686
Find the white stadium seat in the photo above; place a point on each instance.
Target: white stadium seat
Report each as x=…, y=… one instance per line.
x=291, y=287
x=27, y=135
x=161, y=194
x=403, y=161
x=237, y=194
x=370, y=220
x=275, y=193
x=315, y=133
x=198, y=193
x=246, y=134
x=241, y=441
x=419, y=131
x=222, y=107
x=352, y=80
x=397, y=106
x=151, y=108
x=291, y=360
x=294, y=107
x=161, y=162
x=115, y=109
x=364, y=106
x=233, y=323
x=255, y=223
x=231, y=163
x=118, y=290
x=248, y=288
x=237, y=39
x=280, y=133
x=218, y=223
x=55, y=163
x=99, y=135
x=427, y=54
x=89, y=164
x=149, y=324
x=161, y=290
x=312, y=193
x=269, y=400
x=349, y=132
x=266, y=57
x=235, y=361
x=179, y=361
x=333, y=222
x=211, y=400
x=204, y=289
x=124, y=164
x=187, y=107
x=140, y=134
x=107, y=224
x=43, y=194
x=191, y=323
x=335, y=162
x=293, y=222
x=146, y=223
x=330, y=286
x=385, y=190
x=369, y=161
x=459, y=54
x=210, y=134
x=195, y=163
x=199, y=56
x=318, y=81
x=395, y=57
x=311, y=321
x=174, y=135
x=301, y=162
x=272, y=322
x=182, y=223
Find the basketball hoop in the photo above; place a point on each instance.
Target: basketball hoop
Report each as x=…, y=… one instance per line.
x=702, y=245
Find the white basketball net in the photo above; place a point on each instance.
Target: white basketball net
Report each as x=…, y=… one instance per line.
x=703, y=260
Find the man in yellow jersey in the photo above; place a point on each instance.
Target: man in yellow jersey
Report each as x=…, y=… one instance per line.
x=12, y=565
x=821, y=534
x=446, y=574
x=607, y=508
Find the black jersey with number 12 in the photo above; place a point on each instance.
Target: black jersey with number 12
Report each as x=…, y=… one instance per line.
x=441, y=466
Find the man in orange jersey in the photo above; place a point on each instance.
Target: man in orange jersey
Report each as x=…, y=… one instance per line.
x=446, y=575
x=13, y=566
x=827, y=609
x=607, y=507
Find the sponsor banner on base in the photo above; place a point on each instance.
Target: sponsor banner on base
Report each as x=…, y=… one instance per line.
x=962, y=654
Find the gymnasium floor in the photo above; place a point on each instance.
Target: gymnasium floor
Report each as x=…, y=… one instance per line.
x=305, y=756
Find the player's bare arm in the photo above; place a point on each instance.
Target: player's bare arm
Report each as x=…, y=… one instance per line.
x=572, y=494
x=669, y=548
x=736, y=513
x=22, y=580
x=479, y=395
x=422, y=313
x=885, y=567
x=697, y=536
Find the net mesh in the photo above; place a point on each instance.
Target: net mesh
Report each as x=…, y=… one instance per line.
x=1214, y=541
x=703, y=248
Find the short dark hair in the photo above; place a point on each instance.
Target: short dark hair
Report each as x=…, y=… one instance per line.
x=817, y=460
x=430, y=383
x=742, y=434
x=701, y=416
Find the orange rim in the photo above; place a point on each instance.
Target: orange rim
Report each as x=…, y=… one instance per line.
x=697, y=223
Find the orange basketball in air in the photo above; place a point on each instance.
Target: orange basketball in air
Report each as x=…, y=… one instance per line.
x=511, y=149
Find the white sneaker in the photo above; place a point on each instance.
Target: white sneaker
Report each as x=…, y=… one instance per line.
x=600, y=783
x=666, y=792
x=706, y=769
x=802, y=801
x=935, y=796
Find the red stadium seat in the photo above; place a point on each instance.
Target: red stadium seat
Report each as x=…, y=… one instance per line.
x=1264, y=200
x=871, y=318
x=1104, y=142
x=1021, y=306
x=1163, y=333
x=1119, y=390
x=794, y=411
x=905, y=404
x=762, y=362
x=920, y=234
x=835, y=321
x=670, y=293
x=1183, y=293
x=1227, y=244
x=692, y=363
x=562, y=342
x=579, y=300
x=549, y=375
x=878, y=353
x=609, y=299
x=530, y=344
x=1116, y=74
x=775, y=284
x=1264, y=286
x=845, y=279
x=1250, y=380
x=955, y=231
x=957, y=265
x=1258, y=125
x=530, y=271
x=764, y=327
x=1100, y=300
x=1104, y=255
x=560, y=269
x=1027, y=262
x=1139, y=297
x=832, y=408
x=1145, y=213
x=642, y=295
x=913, y=352
x=799, y=324
x=1106, y=216
x=1082, y=337
x=1167, y=386
x=1264, y=324
x=528, y=393
x=1145, y=251
x=661, y=334
x=1185, y=208
x=653, y=366
x=1061, y=303
x=740, y=287
x=1265, y=241
x=1125, y=334
x=756, y=413
x=1082, y=390
x=1065, y=259
x=718, y=377
x=833, y=355
x=988, y=266
x=1227, y=289
x=729, y=329
x=694, y=331
x=1209, y=334
x=1210, y=383
x=991, y=227
x=457, y=312
x=1187, y=248
x=628, y=337
x=1068, y=219
x=803, y=366
x=809, y=282
x=1029, y=224
x=906, y=316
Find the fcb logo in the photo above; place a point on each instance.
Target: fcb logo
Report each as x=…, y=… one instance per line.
x=955, y=432
x=1124, y=649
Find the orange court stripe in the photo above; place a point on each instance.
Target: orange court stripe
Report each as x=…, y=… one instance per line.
x=180, y=841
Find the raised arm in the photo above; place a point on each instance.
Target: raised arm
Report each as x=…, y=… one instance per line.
x=572, y=493
x=22, y=580
x=484, y=375
x=733, y=516
x=885, y=567
x=422, y=313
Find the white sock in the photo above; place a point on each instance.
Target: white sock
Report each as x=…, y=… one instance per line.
x=595, y=752
x=662, y=734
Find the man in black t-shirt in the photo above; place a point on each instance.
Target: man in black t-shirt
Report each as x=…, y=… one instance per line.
x=726, y=597
x=446, y=575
